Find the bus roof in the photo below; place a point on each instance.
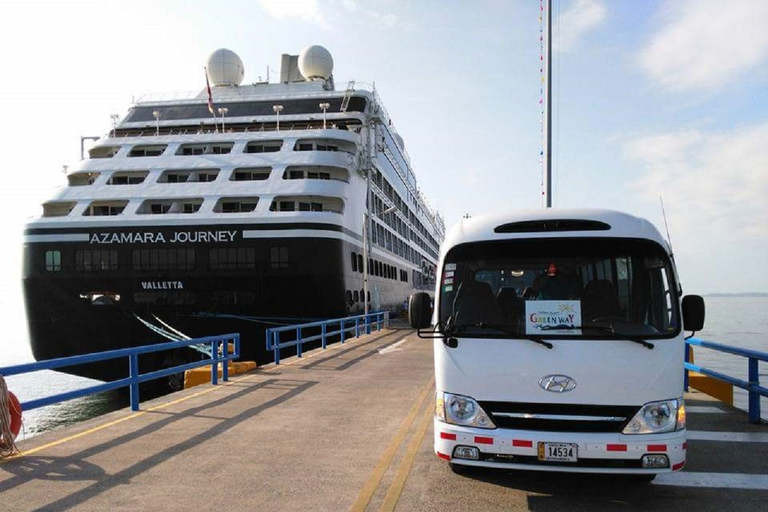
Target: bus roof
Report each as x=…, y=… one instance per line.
x=551, y=223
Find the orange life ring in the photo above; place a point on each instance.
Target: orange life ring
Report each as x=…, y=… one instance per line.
x=15, y=409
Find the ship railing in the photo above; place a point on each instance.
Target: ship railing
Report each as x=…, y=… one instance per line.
x=752, y=385
x=208, y=129
x=220, y=354
x=279, y=338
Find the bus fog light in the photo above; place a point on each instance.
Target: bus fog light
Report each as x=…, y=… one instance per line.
x=655, y=461
x=466, y=452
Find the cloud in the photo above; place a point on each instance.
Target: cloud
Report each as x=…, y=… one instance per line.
x=584, y=16
x=705, y=44
x=311, y=11
x=714, y=184
x=306, y=10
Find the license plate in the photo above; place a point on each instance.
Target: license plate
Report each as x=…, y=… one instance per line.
x=559, y=452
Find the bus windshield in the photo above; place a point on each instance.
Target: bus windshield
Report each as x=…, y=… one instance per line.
x=565, y=287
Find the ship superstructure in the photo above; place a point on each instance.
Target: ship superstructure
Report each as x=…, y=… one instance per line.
x=217, y=211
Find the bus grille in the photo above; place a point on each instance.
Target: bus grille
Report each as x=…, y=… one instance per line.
x=559, y=417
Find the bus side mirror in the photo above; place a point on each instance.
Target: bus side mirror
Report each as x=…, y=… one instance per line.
x=419, y=310
x=693, y=312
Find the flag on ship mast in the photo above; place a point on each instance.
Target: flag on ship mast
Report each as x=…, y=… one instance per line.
x=210, y=97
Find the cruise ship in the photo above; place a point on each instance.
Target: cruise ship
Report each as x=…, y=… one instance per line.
x=227, y=210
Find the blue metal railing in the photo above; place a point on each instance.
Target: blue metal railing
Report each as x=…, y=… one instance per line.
x=752, y=386
x=219, y=354
x=328, y=328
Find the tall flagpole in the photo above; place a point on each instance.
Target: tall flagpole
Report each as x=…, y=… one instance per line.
x=548, y=112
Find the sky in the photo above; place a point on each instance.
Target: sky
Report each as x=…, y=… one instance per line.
x=651, y=100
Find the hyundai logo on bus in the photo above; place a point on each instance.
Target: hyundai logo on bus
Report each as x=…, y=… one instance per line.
x=557, y=383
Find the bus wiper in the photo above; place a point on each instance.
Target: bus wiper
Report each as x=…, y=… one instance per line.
x=607, y=330
x=506, y=330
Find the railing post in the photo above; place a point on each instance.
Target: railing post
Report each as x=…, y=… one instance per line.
x=323, y=334
x=275, y=347
x=368, y=323
x=133, y=368
x=754, y=396
x=214, y=362
x=225, y=360
x=342, y=329
x=298, y=342
x=357, y=327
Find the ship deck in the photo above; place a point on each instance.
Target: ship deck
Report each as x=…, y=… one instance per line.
x=349, y=428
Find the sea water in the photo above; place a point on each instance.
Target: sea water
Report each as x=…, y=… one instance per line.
x=736, y=321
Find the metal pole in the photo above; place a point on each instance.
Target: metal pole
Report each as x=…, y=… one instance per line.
x=548, y=116
x=754, y=397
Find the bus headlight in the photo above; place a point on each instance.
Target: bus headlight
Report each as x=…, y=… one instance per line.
x=461, y=410
x=657, y=418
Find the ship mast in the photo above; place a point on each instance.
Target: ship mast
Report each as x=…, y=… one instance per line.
x=548, y=111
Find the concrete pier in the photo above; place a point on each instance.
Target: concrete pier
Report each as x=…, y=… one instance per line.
x=346, y=429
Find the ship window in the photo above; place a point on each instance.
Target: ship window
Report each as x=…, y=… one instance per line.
x=165, y=297
x=251, y=174
x=236, y=205
x=233, y=297
x=307, y=204
x=356, y=296
x=159, y=207
x=163, y=259
x=139, y=151
x=205, y=149
x=360, y=263
x=349, y=297
x=232, y=258
x=97, y=208
x=103, y=151
x=82, y=179
x=58, y=209
x=98, y=260
x=127, y=178
x=266, y=146
x=188, y=176
x=316, y=173
x=278, y=257
x=53, y=261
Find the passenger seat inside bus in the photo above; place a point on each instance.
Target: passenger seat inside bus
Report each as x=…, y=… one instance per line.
x=510, y=304
x=475, y=303
x=600, y=300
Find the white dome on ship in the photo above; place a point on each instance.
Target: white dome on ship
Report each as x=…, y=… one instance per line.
x=225, y=68
x=315, y=62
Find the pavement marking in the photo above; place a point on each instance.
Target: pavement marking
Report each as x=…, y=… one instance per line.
x=404, y=470
x=713, y=480
x=735, y=437
x=392, y=348
x=361, y=503
x=701, y=409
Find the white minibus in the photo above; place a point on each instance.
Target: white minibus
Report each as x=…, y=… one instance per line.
x=559, y=344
